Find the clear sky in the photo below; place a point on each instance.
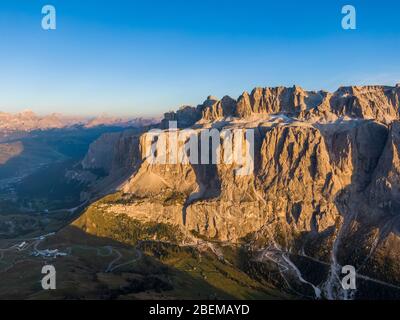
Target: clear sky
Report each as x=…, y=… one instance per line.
x=150, y=56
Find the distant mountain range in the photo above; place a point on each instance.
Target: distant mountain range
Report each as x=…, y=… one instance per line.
x=27, y=121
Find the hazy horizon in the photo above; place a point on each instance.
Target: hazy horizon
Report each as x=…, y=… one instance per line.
x=129, y=58
x=155, y=115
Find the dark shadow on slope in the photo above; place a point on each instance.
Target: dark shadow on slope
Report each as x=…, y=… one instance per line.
x=82, y=273
x=35, y=179
x=207, y=177
x=365, y=228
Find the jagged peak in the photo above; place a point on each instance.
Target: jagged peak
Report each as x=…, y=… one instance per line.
x=378, y=102
x=211, y=97
x=363, y=88
x=227, y=98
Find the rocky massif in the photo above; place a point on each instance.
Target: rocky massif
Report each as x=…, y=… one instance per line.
x=324, y=191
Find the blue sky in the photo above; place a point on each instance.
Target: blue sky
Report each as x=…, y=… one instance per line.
x=150, y=56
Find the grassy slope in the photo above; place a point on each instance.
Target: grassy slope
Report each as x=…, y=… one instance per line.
x=201, y=273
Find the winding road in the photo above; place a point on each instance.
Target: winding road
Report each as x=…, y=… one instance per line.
x=31, y=245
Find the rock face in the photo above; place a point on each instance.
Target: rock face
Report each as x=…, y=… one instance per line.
x=371, y=102
x=325, y=181
x=293, y=182
x=384, y=190
x=110, y=160
x=277, y=100
x=219, y=109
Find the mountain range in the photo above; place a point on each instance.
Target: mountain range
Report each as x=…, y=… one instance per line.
x=324, y=193
x=27, y=121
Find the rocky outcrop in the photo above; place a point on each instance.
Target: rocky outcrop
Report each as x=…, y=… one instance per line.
x=380, y=103
x=110, y=160
x=277, y=100
x=226, y=107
